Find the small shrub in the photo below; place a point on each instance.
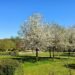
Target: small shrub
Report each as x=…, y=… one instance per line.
x=13, y=53
x=7, y=67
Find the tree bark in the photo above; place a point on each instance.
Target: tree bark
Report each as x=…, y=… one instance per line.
x=53, y=52
x=49, y=53
x=37, y=54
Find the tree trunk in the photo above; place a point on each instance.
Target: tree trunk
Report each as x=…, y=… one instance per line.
x=49, y=53
x=37, y=54
x=53, y=52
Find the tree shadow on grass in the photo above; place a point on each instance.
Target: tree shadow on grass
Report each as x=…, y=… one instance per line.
x=67, y=54
x=25, y=58
x=70, y=66
x=32, y=59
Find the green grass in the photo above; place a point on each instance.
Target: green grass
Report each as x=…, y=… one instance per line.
x=46, y=66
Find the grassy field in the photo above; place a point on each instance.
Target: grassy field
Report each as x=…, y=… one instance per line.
x=60, y=65
x=45, y=65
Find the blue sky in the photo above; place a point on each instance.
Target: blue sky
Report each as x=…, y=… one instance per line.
x=14, y=12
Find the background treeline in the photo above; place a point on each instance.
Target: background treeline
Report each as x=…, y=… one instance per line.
x=9, y=44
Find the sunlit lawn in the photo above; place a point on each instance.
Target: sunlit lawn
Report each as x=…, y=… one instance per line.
x=47, y=66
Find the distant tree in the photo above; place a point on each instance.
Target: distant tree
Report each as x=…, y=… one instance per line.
x=47, y=41
x=71, y=39
x=56, y=32
x=17, y=42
